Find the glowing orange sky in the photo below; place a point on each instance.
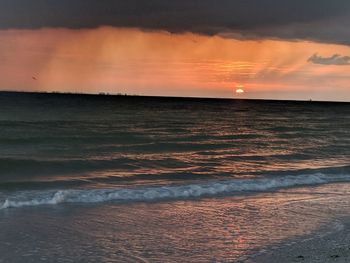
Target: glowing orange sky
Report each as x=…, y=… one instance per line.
x=159, y=63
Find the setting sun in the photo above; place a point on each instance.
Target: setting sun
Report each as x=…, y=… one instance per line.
x=239, y=88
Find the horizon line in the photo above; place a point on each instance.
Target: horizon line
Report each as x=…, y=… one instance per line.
x=108, y=94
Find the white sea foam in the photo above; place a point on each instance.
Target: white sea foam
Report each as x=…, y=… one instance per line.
x=144, y=194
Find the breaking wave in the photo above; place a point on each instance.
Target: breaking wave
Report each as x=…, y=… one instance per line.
x=159, y=193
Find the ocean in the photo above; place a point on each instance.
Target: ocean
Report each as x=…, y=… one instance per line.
x=95, y=178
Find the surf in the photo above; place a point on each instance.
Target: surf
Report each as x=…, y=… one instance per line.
x=170, y=192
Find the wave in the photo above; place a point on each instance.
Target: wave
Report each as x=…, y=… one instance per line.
x=159, y=193
x=20, y=167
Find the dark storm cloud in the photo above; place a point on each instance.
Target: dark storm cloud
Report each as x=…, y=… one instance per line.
x=333, y=60
x=320, y=20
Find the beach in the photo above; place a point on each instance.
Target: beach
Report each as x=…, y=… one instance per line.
x=165, y=131
x=333, y=247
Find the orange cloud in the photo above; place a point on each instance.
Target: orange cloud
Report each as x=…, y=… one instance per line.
x=159, y=63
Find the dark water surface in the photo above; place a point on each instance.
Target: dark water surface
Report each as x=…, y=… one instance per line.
x=136, y=179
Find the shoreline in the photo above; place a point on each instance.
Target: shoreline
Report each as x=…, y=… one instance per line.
x=329, y=247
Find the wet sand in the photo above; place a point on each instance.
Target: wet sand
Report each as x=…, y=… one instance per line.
x=334, y=247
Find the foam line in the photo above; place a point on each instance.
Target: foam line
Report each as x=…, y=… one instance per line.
x=146, y=194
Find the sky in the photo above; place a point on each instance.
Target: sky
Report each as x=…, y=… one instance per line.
x=270, y=49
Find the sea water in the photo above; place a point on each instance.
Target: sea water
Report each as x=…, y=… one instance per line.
x=143, y=179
